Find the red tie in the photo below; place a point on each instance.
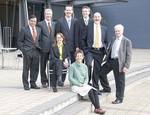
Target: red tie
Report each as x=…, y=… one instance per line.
x=33, y=34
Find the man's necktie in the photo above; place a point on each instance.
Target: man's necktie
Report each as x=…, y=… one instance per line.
x=86, y=22
x=69, y=23
x=97, y=38
x=49, y=27
x=34, y=34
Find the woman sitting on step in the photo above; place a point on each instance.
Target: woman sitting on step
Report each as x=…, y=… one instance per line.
x=78, y=77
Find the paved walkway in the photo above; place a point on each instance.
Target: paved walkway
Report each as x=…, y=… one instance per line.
x=14, y=100
x=136, y=101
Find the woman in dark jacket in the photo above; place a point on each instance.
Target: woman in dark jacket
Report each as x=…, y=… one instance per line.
x=60, y=60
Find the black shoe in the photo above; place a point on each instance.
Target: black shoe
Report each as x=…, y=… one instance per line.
x=26, y=88
x=105, y=91
x=117, y=101
x=45, y=85
x=54, y=89
x=35, y=87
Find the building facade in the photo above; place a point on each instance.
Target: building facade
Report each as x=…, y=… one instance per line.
x=132, y=14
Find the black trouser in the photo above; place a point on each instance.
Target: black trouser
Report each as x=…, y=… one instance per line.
x=57, y=67
x=43, y=61
x=72, y=56
x=98, y=55
x=93, y=95
x=113, y=64
x=30, y=62
x=88, y=61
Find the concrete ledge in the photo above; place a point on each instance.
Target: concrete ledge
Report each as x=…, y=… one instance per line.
x=54, y=105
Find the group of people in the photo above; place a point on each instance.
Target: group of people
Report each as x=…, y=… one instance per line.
x=77, y=44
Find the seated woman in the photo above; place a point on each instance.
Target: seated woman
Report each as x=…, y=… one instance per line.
x=60, y=58
x=78, y=77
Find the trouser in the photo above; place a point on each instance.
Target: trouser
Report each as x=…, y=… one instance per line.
x=43, y=61
x=113, y=64
x=30, y=62
x=93, y=95
x=97, y=55
x=57, y=74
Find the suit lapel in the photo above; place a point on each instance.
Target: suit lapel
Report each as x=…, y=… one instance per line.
x=57, y=52
x=30, y=34
x=65, y=24
x=121, y=48
x=45, y=25
x=52, y=27
x=72, y=23
x=82, y=21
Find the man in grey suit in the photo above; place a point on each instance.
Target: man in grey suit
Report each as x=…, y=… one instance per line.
x=47, y=38
x=28, y=43
x=118, y=60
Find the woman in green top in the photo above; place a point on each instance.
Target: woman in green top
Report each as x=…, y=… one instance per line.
x=60, y=60
x=78, y=77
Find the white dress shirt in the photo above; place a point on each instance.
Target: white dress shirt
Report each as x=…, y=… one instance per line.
x=115, y=47
x=48, y=22
x=69, y=22
x=31, y=30
x=86, y=20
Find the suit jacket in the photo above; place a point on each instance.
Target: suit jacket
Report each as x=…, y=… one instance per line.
x=90, y=36
x=47, y=38
x=56, y=54
x=125, y=53
x=25, y=41
x=71, y=35
x=83, y=32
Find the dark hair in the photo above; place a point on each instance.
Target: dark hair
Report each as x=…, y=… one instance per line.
x=32, y=16
x=55, y=41
x=78, y=51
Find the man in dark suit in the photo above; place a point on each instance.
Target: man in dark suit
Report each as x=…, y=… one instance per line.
x=118, y=60
x=96, y=42
x=68, y=26
x=28, y=43
x=47, y=38
x=84, y=21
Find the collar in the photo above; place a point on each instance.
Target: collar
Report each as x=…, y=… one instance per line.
x=120, y=38
x=68, y=18
x=87, y=18
x=48, y=22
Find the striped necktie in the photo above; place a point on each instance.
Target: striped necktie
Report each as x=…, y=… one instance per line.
x=34, y=34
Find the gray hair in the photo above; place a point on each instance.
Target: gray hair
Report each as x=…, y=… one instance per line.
x=119, y=26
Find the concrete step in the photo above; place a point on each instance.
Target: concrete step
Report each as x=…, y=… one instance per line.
x=84, y=107
x=68, y=103
x=54, y=105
